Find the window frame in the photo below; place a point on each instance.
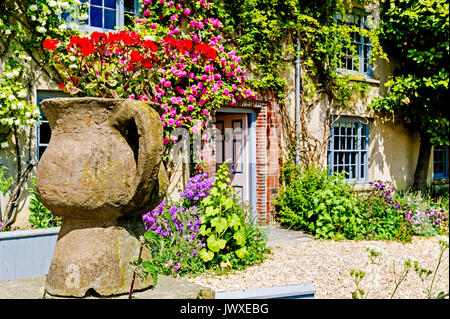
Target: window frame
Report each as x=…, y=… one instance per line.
x=40, y=96
x=120, y=18
x=358, y=150
x=445, y=162
x=364, y=41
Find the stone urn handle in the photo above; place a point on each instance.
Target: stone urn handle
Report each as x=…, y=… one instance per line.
x=140, y=125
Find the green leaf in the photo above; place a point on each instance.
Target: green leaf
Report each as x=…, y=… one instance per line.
x=204, y=231
x=227, y=203
x=152, y=237
x=206, y=255
x=151, y=269
x=220, y=224
x=240, y=237
x=241, y=253
x=235, y=221
x=215, y=244
x=210, y=211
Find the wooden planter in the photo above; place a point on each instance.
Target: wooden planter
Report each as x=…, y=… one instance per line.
x=26, y=253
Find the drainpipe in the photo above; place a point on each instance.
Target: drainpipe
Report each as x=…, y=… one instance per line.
x=297, y=103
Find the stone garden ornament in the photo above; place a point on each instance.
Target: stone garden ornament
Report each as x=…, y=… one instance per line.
x=101, y=171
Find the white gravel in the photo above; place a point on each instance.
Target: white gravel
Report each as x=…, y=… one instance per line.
x=327, y=265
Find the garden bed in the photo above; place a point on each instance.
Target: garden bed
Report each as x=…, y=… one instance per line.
x=327, y=265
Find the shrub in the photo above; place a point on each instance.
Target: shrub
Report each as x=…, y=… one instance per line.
x=384, y=213
x=426, y=216
x=175, y=247
x=318, y=203
x=40, y=216
x=208, y=229
x=232, y=237
x=5, y=182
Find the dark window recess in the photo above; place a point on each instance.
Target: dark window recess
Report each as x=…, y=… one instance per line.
x=440, y=162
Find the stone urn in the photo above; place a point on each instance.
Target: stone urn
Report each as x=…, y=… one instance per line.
x=101, y=172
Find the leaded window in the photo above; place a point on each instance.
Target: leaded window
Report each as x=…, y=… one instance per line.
x=348, y=148
x=356, y=61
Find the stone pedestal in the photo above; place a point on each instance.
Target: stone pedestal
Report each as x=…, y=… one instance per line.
x=96, y=255
x=101, y=172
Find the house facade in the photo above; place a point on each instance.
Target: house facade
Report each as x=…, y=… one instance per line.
x=253, y=134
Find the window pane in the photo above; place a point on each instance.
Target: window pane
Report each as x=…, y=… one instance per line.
x=41, y=151
x=44, y=133
x=363, y=143
x=110, y=19
x=237, y=156
x=95, y=17
x=129, y=5
x=96, y=2
x=109, y=4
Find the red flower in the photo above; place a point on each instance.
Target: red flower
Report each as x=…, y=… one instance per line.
x=206, y=50
x=150, y=44
x=50, y=44
x=61, y=85
x=135, y=56
x=147, y=63
x=85, y=45
x=98, y=36
x=184, y=45
x=171, y=41
x=71, y=78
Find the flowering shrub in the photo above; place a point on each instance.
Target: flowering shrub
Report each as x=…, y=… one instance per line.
x=426, y=218
x=187, y=72
x=386, y=213
x=17, y=111
x=177, y=253
x=196, y=189
x=181, y=236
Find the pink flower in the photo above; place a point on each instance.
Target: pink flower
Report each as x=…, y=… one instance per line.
x=146, y=2
x=195, y=129
x=187, y=12
x=166, y=140
x=205, y=112
x=153, y=26
x=190, y=107
x=170, y=122
x=170, y=4
x=147, y=12
x=178, y=123
x=167, y=84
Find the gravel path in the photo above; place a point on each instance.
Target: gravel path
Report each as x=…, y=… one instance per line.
x=327, y=264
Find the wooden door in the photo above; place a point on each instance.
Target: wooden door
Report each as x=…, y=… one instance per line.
x=232, y=144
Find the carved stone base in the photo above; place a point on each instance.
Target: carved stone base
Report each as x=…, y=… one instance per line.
x=96, y=255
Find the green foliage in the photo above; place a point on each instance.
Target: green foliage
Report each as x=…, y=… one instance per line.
x=318, y=203
x=326, y=207
x=232, y=238
x=266, y=31
x=417, y=34
x=5, y=182
x=40, y=216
